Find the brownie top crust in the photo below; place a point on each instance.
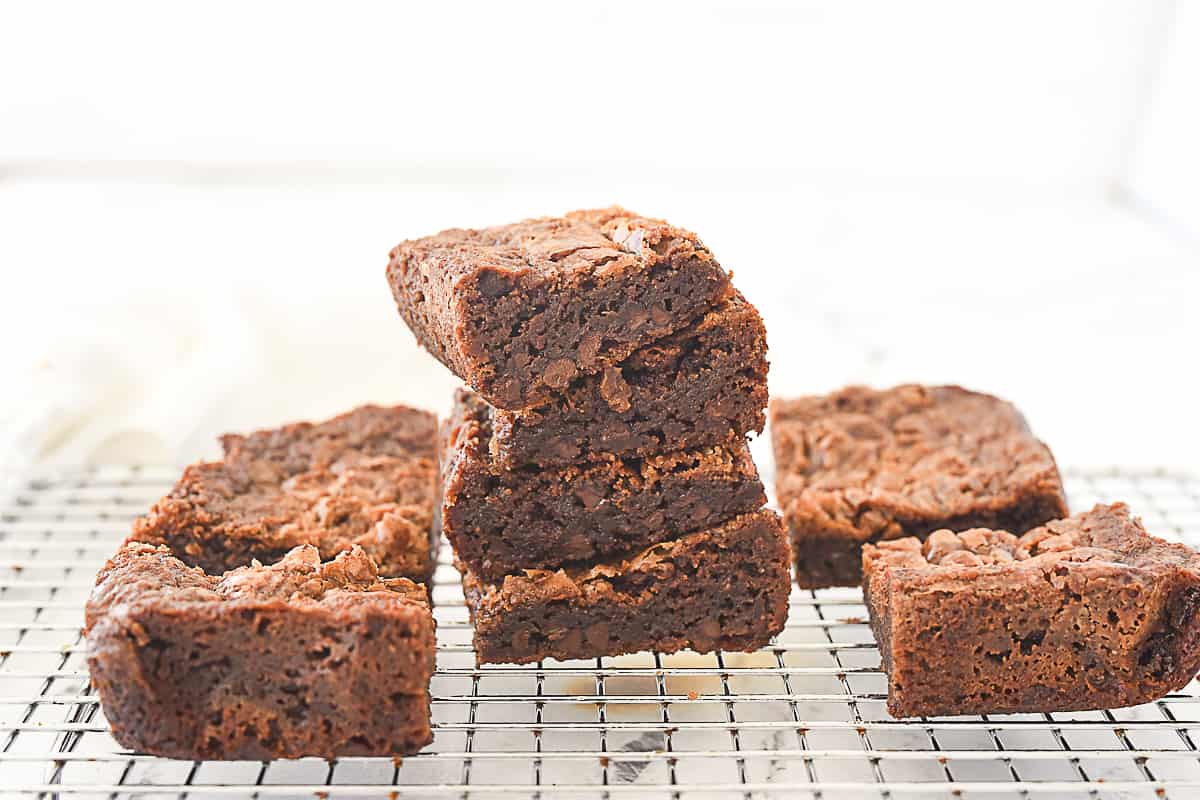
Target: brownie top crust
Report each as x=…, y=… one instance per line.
x=1107, y=538
x=865, y=462
x=143, y=573
x=366, y=432
x=368, y=477
x=597, y=242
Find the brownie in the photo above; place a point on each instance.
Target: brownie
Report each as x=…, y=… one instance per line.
x=725, y=588
x=368, y=477
x=1088, y=612
x=502, y=521
x=861, y=465
x=518, y=311
x=296, y=659
x=699, y=386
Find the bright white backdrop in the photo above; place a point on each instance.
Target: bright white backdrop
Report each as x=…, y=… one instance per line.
x=195, y=207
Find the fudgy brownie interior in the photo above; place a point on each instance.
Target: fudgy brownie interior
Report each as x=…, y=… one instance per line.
x=697, y=387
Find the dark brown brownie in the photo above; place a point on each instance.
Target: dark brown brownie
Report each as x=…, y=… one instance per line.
x=369, y=477
x=725, y=588
x=700, y=386
x=861, y=465
x=1088, y=612
x=296, y=659
x=518, y=311
x=501, y=522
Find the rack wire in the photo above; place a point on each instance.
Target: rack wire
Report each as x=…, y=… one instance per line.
x=804, y=717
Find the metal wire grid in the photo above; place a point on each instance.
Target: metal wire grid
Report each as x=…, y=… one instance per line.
x=801, y=718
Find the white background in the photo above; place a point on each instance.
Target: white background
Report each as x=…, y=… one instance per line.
x=196, y=204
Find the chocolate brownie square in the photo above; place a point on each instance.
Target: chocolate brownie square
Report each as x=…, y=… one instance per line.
x=296, y=659
x=861, y=465
x=368, y=477
x=703, y=385
x=725, y=588
x=502, y=522
x=1088, y=612
x=519, y=311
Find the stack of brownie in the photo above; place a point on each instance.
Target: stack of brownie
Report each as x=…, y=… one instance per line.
x=598, y=490
x=272, y=606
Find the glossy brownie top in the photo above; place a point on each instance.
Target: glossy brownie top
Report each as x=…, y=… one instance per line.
x=366, y=432
x=858, y=456
x=1106, y=537
x=365, y=477
x=602, y=242
x=143, y=573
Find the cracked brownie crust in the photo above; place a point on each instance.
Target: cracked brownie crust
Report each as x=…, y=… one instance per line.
x=725, y=588
x=700, y=386
x=369, y=477
x=502, y=522
x=862, y=466
x=519, y=311
x=1087, y=612
x=296, y=659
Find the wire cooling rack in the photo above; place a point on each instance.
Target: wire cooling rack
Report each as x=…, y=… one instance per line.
x=804, y=717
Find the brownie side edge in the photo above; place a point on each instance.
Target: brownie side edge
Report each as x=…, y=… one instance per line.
x=725, y=588
x=166, y=685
